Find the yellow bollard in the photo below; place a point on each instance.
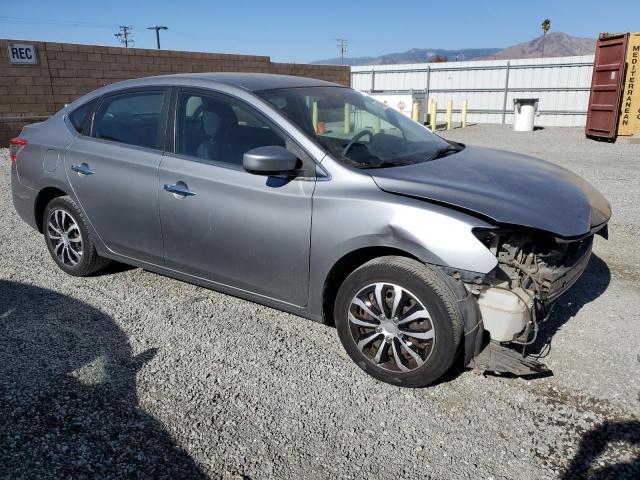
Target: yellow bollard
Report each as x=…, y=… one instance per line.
x=428, y=112
x=463, y=114
x=449, y=113
x=376, y=124
x=347, y=118
x=433, y=115
x=415, y=111
x=314, y=116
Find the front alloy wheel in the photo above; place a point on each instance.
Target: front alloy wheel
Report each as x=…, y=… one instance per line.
x=391, y=327
x=399, y=320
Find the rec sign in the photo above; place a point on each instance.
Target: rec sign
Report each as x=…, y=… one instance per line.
x=21, y=53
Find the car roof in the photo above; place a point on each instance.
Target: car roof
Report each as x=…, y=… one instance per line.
x=252, y=81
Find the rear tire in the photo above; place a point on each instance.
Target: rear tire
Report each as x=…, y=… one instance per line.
x=67, y=237
x=414, y=339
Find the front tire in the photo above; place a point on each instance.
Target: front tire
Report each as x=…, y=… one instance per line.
x=399, y=321
x=68, y=240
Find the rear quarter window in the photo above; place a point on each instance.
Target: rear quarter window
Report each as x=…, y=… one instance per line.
x=81, y=114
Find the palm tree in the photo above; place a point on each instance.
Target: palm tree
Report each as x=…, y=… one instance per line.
x=546, y=25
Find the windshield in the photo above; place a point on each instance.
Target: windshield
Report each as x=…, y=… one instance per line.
x=356, y=129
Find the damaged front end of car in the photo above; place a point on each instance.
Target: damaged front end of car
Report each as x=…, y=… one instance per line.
x=534, y=269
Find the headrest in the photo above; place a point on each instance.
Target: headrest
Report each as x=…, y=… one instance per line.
x=211, y=123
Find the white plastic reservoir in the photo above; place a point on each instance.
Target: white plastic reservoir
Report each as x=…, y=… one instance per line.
x=504, y=314
x=524, y=112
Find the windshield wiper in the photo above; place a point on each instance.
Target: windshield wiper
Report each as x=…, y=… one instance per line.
x=446, y=151
x=391, y=164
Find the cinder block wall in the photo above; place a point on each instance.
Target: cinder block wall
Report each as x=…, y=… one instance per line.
x=30, y=93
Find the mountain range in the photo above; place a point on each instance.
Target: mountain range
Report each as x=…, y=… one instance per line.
x=556, y=44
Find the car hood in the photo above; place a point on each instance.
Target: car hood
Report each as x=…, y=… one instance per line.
x=505, y=187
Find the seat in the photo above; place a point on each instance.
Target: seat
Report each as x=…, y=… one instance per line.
x=116, y=127
x=226, y=140
x=217, y=124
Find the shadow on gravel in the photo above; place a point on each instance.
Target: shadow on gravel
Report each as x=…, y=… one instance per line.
x=114, y=268
x=68, y=403
x=596, y=442
x=593, y=282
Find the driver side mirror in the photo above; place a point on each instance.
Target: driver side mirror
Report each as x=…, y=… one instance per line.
x=271, y=160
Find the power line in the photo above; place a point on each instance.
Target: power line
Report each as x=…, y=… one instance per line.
x=182, y=33
x=42, y=21
x=342, y=48
x=124, y=36
x=157, y=28
x=263, y=41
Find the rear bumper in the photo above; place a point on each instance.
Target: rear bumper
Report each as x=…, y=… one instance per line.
x=24, y=199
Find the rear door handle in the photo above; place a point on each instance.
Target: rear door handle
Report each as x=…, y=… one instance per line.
x=179, y=190
x=82, y=169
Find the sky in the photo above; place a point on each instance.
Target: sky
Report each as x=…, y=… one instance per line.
x=303, y=31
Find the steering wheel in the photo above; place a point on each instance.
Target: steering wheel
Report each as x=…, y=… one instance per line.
x=355, y=138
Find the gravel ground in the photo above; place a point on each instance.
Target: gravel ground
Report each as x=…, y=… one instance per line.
x=131, y=374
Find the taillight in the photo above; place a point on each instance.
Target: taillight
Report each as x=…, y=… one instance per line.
x=15, y=145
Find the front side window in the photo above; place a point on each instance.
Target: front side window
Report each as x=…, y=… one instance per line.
x=80, y=115
x=130, y=118
x=356, y=129
x=215, y=128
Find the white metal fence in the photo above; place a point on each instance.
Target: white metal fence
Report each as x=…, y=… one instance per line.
x=562, y=85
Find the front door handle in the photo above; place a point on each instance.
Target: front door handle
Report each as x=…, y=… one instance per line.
x=179, y=189
x=82, y=169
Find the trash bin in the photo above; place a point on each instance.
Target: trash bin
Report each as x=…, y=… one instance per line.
x=523, y=113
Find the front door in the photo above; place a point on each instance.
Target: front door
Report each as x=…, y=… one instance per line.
x=114, y=172
x=222, y=223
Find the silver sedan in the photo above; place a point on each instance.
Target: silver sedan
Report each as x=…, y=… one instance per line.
x=315, y=199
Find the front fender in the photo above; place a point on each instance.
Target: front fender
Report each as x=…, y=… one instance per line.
x=441, y=237
x=363, y=217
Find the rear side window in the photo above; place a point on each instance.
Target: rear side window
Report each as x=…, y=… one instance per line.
x=81, y=114
x=130, y=118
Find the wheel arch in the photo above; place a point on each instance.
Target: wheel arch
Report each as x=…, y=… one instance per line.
x=42, y=200
x=343, y=267
x=473, y=334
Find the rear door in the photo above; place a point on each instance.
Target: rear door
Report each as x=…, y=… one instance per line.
x=606, y=86
x=114, y=171
x=251, y=232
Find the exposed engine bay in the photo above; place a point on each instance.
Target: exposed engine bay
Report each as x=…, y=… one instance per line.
x=532, y=272
x=537, y=270
x=542, y=265
x=514, y=298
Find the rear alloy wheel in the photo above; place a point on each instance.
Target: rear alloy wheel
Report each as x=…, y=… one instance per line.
x=68, y=239
x=65, y=237
x=399, y=321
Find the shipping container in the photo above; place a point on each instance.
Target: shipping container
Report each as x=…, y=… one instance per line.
x=606, y=86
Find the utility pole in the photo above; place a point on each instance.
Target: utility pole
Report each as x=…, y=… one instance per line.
x=124, y=35
x=157, y=28
x=342, y=48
